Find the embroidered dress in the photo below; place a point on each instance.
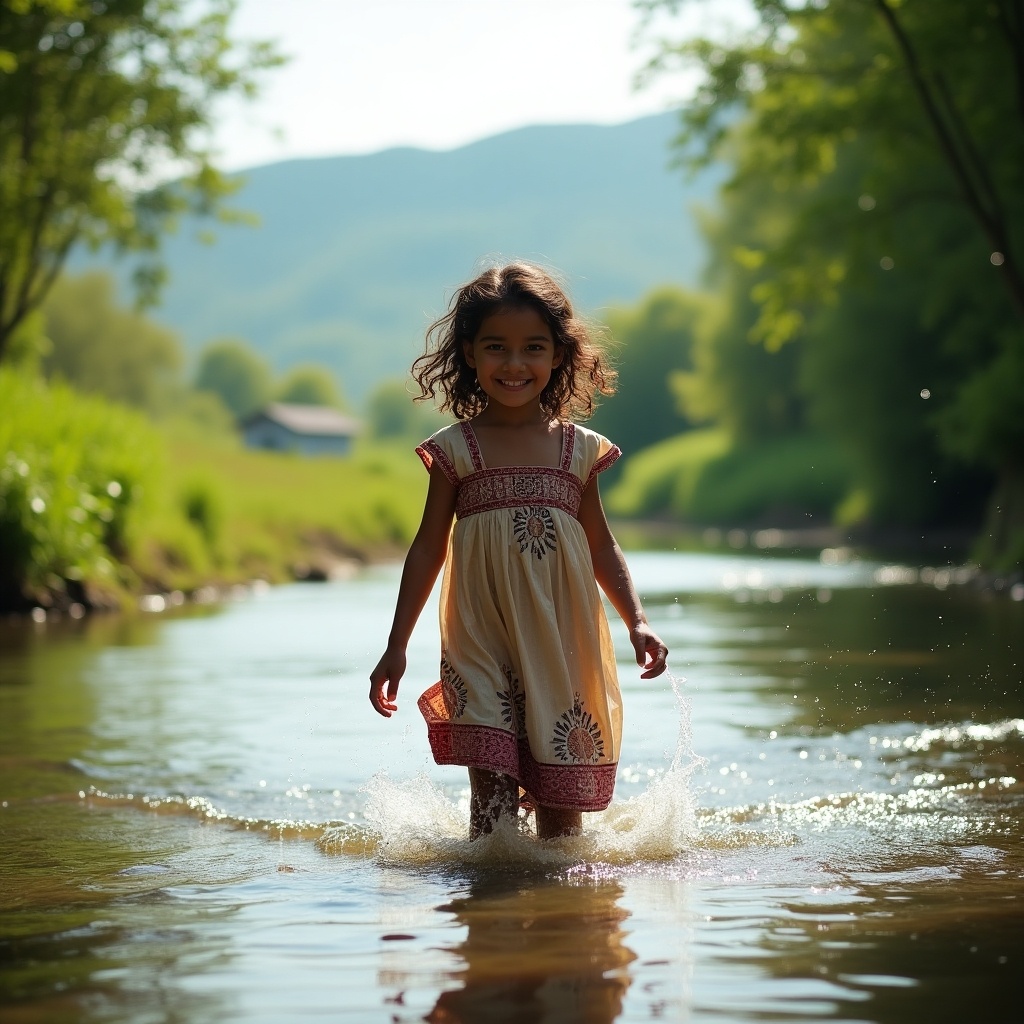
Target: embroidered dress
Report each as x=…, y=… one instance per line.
x=528, y=684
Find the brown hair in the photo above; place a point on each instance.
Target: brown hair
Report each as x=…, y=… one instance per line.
x=574, y=382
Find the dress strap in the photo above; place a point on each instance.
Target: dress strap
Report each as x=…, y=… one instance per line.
x=472, y=444
x=568, y=443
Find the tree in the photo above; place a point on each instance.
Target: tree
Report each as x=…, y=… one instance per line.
x=653, y=341
x=99, y=99
x=100, y=347
x=392, y=413
x=890, y=135
x=310, y=384
x=232, y=370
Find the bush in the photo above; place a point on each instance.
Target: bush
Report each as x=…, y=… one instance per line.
x=75, y=472
x=703, y=477
x=661, y=479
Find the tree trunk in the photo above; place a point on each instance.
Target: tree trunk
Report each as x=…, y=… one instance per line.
x=1001, y=543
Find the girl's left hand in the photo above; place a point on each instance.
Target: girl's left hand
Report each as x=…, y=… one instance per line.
x=651, y=653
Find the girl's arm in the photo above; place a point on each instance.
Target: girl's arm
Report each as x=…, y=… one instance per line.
x=422, y=564
x=613, y=576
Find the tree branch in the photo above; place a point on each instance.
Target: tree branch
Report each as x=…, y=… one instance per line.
x=995, y=231
x=1011, y=16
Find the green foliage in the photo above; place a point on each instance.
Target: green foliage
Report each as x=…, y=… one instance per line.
x=105, y=349
x=310, y=384
x=391, y=413
x=867, y=248
x=277, y=510
x=653, y=341
x=778, y=482
x=96, y=100
x=94, y=503
x=701, y=477
x=75, y=478
x=200, y=415
x=202, y=500
x=236, y=374
x=735, y=382
x=661, y=479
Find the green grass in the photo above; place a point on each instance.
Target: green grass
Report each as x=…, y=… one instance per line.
x=703, y=477
x=265, y=513
x=77, y=479
x=660, y=480
x=97, y=504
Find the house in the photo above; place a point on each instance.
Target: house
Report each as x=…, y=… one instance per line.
x=306, y=429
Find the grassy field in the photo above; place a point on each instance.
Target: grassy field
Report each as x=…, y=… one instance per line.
x=229, y=513
x=98, y=504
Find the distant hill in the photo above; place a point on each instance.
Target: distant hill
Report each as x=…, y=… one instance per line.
x=356, y=254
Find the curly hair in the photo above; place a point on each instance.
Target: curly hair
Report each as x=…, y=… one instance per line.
x=575, y=382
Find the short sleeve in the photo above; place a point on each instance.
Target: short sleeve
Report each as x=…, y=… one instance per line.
x=607, y=455
x=436, y=449
x=594, y=454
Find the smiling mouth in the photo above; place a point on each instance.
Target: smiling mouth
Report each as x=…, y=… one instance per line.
x=513, y=383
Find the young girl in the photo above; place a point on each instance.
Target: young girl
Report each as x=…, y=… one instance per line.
x=528, y=694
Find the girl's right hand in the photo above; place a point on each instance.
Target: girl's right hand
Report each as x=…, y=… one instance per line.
x=389, y=670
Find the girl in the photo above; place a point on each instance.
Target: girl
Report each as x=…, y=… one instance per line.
x=528, y=694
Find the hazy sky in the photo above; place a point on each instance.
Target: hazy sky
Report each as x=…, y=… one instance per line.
x=369, y=74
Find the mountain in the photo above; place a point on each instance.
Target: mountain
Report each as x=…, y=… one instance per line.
x=355, y=255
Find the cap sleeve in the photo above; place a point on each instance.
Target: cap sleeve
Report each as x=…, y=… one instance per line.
x=607, y=455
x=437, y=449
x=594, y=454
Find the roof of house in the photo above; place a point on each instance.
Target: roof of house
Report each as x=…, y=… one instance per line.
x=319, y=420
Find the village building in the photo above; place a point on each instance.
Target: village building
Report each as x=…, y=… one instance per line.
x=305, y=429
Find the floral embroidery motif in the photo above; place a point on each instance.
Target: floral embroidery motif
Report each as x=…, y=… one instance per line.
x=513, y=703
x=453, y=689
x=534, y=528
x=577, y=736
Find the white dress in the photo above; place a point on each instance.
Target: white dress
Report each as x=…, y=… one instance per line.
x=528, y=683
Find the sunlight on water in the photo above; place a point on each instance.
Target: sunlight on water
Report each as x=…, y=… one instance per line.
x=414, y=823
x=419, y=825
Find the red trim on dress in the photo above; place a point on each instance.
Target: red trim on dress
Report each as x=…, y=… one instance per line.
x=568, y=443
x=609, y=458
x=571, y=787
x=429, y=452
x=514, y=487
x=472, y=444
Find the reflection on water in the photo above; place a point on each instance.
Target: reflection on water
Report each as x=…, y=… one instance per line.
x=200, y=820
x=536, y=951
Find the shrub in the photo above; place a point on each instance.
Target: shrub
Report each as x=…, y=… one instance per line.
x=75, y=472
x=703, y=477
x=661, y=479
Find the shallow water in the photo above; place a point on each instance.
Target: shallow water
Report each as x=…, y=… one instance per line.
x=201, y=818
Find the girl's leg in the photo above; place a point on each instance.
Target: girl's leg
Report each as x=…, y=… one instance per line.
x=492, y=795
x=553, y=822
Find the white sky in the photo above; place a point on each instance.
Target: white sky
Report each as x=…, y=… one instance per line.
x=369, y=74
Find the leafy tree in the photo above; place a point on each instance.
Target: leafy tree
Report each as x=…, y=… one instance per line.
x=892, y=147
x=392, y=413
x=100, y=347
x=310, y=384
x=653, y=341
x=238, y=375
x=98, y=100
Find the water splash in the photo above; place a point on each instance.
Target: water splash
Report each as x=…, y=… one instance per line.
x=416, y=824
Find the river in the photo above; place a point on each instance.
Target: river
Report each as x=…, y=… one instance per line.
x=818, y=817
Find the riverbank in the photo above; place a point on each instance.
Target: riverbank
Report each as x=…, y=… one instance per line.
x=224, y=519
x=99, y=507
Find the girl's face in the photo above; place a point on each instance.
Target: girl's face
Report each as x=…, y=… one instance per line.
x=514, y=354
